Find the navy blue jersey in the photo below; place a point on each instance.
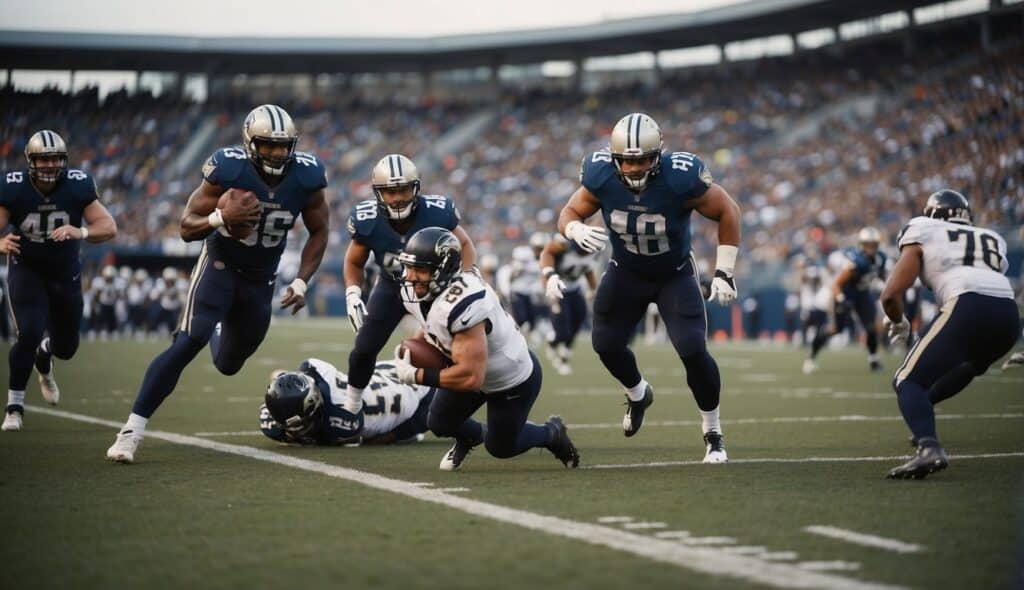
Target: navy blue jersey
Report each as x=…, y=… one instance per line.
x=35, y=216
x=367, y=226
x=259, y=254
x=650, y=231
x=865, y=269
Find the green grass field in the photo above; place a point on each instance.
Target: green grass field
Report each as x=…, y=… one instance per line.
x=192, y=513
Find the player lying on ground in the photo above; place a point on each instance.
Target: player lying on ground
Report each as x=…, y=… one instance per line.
x=306, y=406
x=490, y=361
x=978, y=322
x=51, y=210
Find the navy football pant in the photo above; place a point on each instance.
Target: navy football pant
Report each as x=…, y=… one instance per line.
x=572, y=310
x=619, y=304
x=41, y=304
x=217, y=294
x=384, y=311
x=970, y=333
x=508, y=432
x=863, y=303
x=524, y=312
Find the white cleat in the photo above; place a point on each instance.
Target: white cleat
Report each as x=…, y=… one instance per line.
x=1016, y=360
x=810, y=366
x=563, y=369
x=715, y=452
x=48, y=387
x=12, y=421
x=124, y=447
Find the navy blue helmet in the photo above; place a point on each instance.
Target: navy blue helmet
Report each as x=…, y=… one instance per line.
x=295, y=402
x=436, y=249
x=949, y=205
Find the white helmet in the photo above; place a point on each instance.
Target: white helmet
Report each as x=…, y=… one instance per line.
x=489, y=263
x=269, y=123
x=869, y=235
x=109, y=271
x=636, y=136
x=395, y=171
x=46, y=144
x=538, y=240
x=170, y=273
x=141, y=275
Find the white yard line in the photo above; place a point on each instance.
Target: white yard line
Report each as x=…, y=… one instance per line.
x=794, y=460
x=864, y=539
x=707, y=560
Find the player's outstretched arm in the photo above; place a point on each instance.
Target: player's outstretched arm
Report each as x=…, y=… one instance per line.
x=315, y=217
x=550, y=281
x=99, y=226
x=572, y=221
x=906, y=271
x=355, y=273
x=716, y=204
x=468, y=249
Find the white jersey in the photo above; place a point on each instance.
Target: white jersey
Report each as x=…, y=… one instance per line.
x=959, y=258
x=104, y=290
x=525, y=272
x=387, y=402
x=469, y=301
x=571, y=265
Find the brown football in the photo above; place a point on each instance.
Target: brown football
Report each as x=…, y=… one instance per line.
x=239, y=231
x=425, y=355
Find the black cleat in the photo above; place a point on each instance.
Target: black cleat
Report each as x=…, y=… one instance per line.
x=561, y=445
x=876, y=366
x=634, y=417
x=453, y=459
x=928, y=459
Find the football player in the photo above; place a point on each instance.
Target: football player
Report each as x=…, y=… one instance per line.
x=232, y=286
x=853, y=291
x=965, y=267
x=524, y=288
x=306, y=406
x=491, y=363
x=51, y=209
x=563, y=265
x=646, y=198
x=382, y=226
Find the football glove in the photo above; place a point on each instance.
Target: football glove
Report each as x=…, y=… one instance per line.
x=723, y=288
x=589, y=238
x=404, y=369
x=554, y=288
x=897, y=331
x=355, y=307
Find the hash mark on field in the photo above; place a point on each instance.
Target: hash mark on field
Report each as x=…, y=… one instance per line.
x=708, y=540
x=829, y=566
x=746, y=550
x=422, y=484
x=672, y=534
x=643, y=525
x=706, y=560
x=779, y=556
x=614, y=519
x=864, y=539
x=452, y=490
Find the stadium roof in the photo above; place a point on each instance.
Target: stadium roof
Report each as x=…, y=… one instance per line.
x=761, y=18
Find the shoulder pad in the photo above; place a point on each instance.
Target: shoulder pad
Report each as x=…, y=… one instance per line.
x=311, y=171
x=83, y=184
x=913, y=231
x=470, y=309
x=363, y=219
x=686, y=174
x=596, y=170
x=224, y=165
x=441, y=210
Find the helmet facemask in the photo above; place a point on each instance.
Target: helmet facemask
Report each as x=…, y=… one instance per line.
x=269, y=125
x=636, y=137
x=47, y=156
x=395, y=172
x=397, y=213
x=274, y=165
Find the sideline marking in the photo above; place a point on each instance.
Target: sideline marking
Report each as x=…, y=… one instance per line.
x=706, y=560
x=864, y=539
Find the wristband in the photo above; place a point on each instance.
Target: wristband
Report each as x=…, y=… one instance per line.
x=85, y=232
x=432, y=377
x=726, y=258
x=298, y=287
x=356, y=289
x=215, y=219
x=546, y=272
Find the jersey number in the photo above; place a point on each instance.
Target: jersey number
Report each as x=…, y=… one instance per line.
x=989, y=248
x=648, y=235
x=273, y=228
x=366, y=210
x=39, y=226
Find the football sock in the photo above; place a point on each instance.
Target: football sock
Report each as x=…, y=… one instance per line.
x=820, y=340
x=710, y=421
x=163, y=374
x=136, y=424
x=353, y=399
x=15, y=398
x=872, y=343
x=952, y=383
x=636, y=393
x=43, y=356
x=917, y=409
x=704, y=380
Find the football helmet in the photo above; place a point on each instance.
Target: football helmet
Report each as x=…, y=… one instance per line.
x=635, y=137
x=295, y=402
x=269, y=124
x=395, y=171
x=46, y=144
x=949, y=205
x=436, y=249
x=868, y=235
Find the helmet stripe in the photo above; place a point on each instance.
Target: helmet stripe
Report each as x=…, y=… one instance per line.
x=638, y=119
x=47, y=142
x=391, y=165
x=629, y=138
x=280, y=116
x=273, y=119
x=398, y=160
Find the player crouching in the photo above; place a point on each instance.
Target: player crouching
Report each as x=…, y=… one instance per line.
x=307, y=406
x=491, y=363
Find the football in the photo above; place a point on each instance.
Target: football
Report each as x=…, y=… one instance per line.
x=239, y=231
x=425, y=355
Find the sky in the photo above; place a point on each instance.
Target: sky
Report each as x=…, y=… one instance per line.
x=325, y=18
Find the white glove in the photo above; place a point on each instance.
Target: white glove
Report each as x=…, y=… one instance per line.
x=554, y=288
x=588, y=237
x=897, y=331
x=723, y=288
x=356, y=307
x=404, y=369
